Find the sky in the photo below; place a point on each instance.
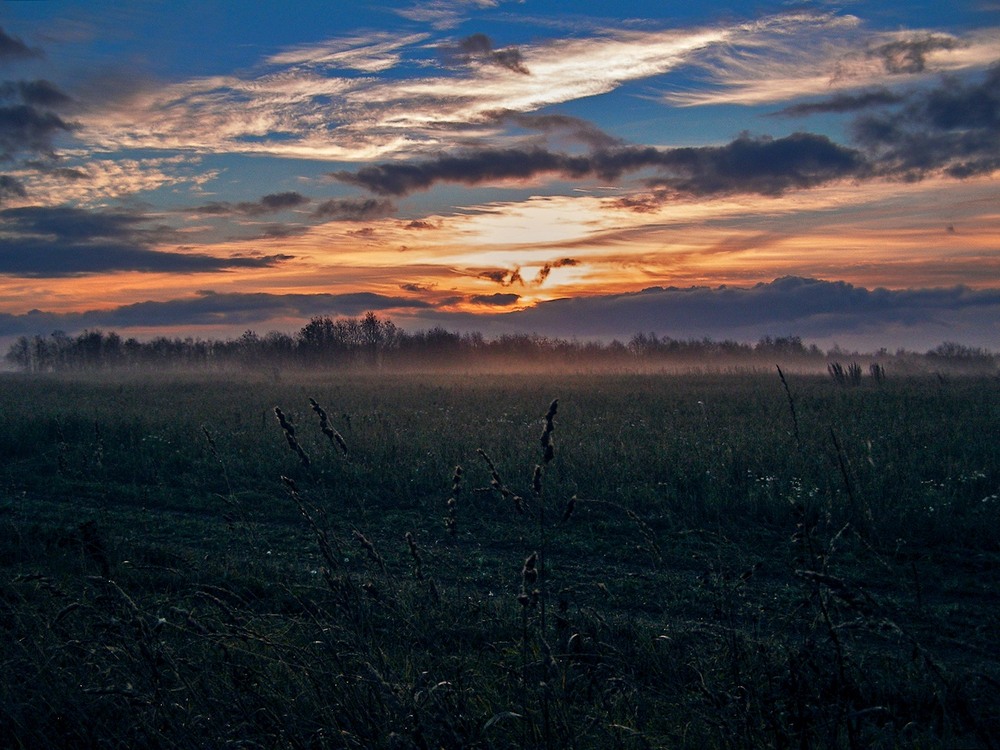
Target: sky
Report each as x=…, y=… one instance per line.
x=586, y=170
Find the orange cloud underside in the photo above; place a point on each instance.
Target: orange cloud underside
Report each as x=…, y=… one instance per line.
x=550, y=247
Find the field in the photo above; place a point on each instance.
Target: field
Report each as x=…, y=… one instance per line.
x=721, y=561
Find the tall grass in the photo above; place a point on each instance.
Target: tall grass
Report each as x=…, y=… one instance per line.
x=692, y=568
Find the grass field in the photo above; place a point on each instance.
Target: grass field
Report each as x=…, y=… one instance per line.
x=702, y=561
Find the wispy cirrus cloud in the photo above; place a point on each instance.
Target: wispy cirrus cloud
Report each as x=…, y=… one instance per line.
x=79, y=181
x=443, y=14
x=371, y=53
x=771, y=61
x=292, y=107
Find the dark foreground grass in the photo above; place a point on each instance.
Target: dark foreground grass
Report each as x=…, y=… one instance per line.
x=689, y=568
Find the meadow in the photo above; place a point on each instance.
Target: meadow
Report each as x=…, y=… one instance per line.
x=499, y=561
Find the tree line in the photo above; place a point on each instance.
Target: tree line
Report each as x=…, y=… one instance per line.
x=371, y=341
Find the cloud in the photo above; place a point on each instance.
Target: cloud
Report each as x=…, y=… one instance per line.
x=40, y=93
x=784, y=57
x=12, y=48
x=207, y=308
x=495, y=300
x=27, y=128
x=810, y=308
x=478, y=48
x=371, y=53
x=26, y=124
x=828, y=312
x=470, y=168
x=502, y=276
x=94, y=181
x=953, y=127
x=274, y=231
x=844, y=103
x=910, y=55
x=573, y=128
x=420, y=224
x=354, y=209
x=763, y=165
x=546, y=269
x=10, y=186
x=442, y=14
x=291, y=106
x=268, y=204
x=60, y=242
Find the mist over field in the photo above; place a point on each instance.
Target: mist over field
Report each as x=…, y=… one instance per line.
x=370, y=343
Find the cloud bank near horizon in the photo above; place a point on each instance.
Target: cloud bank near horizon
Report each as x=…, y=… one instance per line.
x=815, y=310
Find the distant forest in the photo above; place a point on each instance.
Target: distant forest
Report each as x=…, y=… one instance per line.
x=371, y=341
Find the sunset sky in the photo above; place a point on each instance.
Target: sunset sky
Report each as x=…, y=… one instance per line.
x=576, y=169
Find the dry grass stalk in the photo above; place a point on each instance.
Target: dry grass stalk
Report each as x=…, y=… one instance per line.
x=98, y=446
x=791, y=406
x=324, y=425
x=418, y=565
x=289, y=431
x=451, y=520
x=497, y=484
x=570, y=507
x=373, y=554
x=548, y=450
x=326, y=549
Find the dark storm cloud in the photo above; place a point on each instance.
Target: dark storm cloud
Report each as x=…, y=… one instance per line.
x=479, y=48
x=60, y=241
x=12, y=48
x=208, y=308
x=268, y=204
x=954, y=127
x=354, y=209
x=495, y=300
x=844, y=103
x=747, y=165
x=910, y=55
